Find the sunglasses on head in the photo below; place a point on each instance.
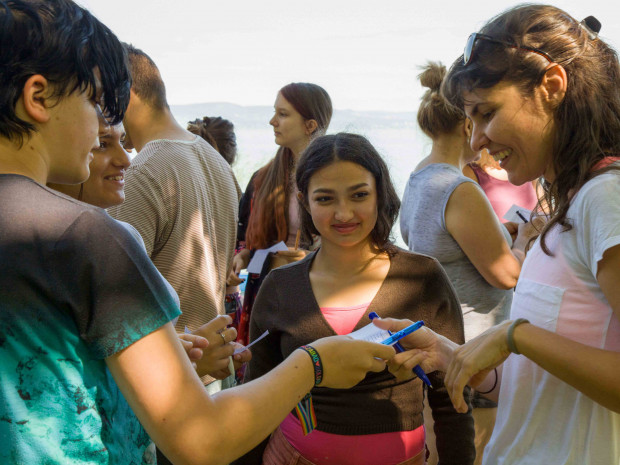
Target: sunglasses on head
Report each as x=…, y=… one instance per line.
x=475, y=37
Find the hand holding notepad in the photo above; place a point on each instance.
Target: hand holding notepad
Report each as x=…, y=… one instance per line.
x=372, y=333
x=518, y=214
x=242, y=348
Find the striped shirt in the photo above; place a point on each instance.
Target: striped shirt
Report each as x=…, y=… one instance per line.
x=183, y=199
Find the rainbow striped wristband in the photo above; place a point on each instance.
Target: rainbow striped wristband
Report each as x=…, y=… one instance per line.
x=305, y=408
x=316, y=363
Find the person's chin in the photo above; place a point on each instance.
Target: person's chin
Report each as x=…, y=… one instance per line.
x=116, y=200
x=516, y=178
x=110, y=200
x=82, y=177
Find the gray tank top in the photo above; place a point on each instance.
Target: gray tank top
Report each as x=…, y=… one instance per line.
x=423, y=227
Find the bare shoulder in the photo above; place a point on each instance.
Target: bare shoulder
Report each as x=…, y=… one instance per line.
x=467, y=197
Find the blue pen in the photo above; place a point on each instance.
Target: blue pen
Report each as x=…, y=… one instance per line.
x=416, y=369
x=397, y=336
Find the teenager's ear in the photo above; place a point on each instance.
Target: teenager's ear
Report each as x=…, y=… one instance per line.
x=311, y=126
x=36, y=98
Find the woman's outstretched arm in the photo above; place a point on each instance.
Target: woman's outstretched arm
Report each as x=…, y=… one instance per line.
x=159, y=383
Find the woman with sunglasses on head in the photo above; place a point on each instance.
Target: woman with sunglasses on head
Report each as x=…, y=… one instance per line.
x=543, y=93
x=347, y=198
x=447, y=216
x=268, y=211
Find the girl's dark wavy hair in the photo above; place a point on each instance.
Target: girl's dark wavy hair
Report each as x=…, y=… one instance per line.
x=587, y=121
x=325, y=150
x=65, y=44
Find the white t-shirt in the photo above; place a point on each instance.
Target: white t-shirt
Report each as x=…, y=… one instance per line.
x=541, y=419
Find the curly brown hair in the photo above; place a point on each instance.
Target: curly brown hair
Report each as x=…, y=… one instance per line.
x=587, y=121
x=218, y=132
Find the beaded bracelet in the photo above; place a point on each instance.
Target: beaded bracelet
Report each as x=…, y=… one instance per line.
x=316, y=363
x=494, y=384
x=510, y=335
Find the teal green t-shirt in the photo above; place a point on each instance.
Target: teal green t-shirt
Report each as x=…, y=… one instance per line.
x=75, y=288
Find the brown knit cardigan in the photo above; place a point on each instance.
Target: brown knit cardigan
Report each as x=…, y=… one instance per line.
x=417, y=288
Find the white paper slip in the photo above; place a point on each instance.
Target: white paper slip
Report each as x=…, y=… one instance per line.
x=370, y=333
x=256, y=264
x=241, y=349
x=518, y=214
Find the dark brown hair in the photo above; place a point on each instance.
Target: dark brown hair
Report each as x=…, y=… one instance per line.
x=65, y=44
x=436, y=116
x=268, y=221
x=218, y=132
x=325, y=150
x=587, y=121
x=147, y=82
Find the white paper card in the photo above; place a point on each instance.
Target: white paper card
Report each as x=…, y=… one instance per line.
x=241, y=349
x=256, y=264
x=518, y=214
x=370, y=333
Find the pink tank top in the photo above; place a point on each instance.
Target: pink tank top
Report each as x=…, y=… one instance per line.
x=336, y=449
x=503, y=194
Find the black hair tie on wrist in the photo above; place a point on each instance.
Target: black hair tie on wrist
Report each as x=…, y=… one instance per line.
x=494, y=384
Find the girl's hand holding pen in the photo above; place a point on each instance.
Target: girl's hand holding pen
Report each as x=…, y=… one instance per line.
x=522, y=235
x=468, y=364
x=423, y=347
x=284, y=257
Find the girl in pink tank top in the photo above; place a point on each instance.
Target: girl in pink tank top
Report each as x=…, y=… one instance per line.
x=347, y=198
x=501, y=193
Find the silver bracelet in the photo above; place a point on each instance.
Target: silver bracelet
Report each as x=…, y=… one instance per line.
x=510, y=335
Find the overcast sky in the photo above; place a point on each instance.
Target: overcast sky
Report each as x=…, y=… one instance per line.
x=365, y=53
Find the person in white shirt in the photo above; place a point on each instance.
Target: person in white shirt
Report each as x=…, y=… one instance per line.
x=543, y=94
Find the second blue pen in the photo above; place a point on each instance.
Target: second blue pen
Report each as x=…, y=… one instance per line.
x=393, y=340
